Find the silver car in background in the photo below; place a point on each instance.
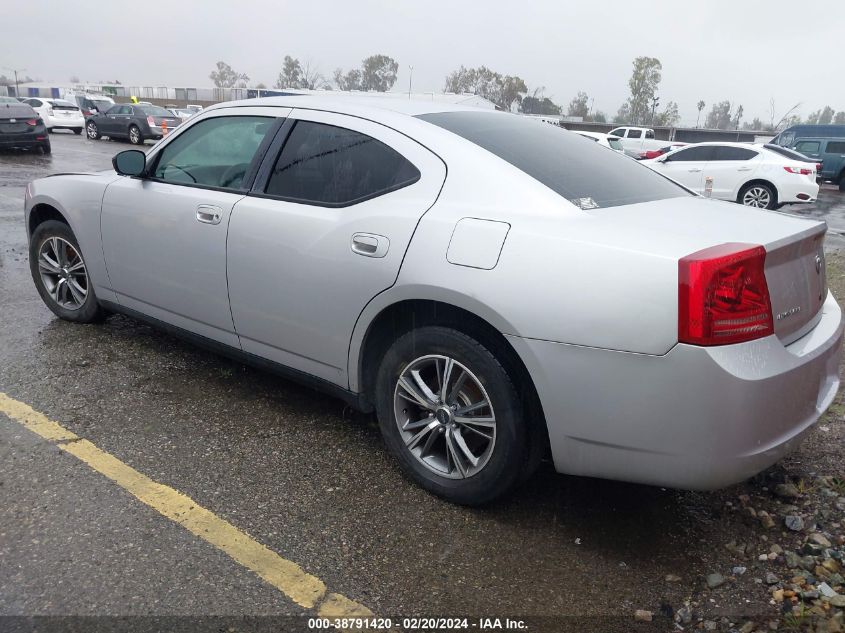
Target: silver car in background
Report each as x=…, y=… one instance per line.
x=495, y=290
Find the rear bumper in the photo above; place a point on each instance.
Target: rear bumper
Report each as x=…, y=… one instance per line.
x=804, y=190
x=695, y=418
x=64, y=123
x=23, y=140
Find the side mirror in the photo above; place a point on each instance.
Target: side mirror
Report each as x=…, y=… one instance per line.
x=131, y=162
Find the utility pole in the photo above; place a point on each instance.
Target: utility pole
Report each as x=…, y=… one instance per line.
x=410, y=79
x=16, y=71
x=654, y=101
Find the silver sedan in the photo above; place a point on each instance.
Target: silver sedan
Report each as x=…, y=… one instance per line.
x=493, y=289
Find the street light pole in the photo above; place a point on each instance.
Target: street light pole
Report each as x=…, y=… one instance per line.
x=410, y=79
x=16, y=70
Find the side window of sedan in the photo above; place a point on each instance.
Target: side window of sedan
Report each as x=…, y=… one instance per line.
x=693, y=154
x=216, y=152
x=332, y=166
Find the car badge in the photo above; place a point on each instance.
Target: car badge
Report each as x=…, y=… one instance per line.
x=13, y=120
x=818, y=264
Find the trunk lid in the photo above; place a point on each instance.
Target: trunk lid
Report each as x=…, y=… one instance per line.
x=795, y=264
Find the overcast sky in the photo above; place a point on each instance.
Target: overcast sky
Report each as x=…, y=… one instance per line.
x=746, y=51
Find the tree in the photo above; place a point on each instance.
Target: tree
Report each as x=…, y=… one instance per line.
x=350, y=81
x=700, y=105
x=578, y=106
x=261, y=85
x=504, y=91
x=738, y=117
x=669, y=117
x=225, y=77
x=599, y=117
x=784, y=119
x=826, y=117
x=756, y=125
x=378, y=73
x=623, y=115
x=719, y=117
x=290, y=75
x=643, y=84
x=532, y=104
x=839, y=119
x=74, y=80
x=312, y=78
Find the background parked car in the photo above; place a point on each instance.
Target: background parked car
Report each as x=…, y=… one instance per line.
x=793, y=133
x=830, y=152
x=20, y=126
x=637, y=140
x=58, y=114
x=134, y=122
x=4, y=99
x=89, y=103
x=183, y=113
x=605, y=140
x=654, y=153
x=749, y=174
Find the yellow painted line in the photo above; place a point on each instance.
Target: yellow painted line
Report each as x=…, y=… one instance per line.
x=304, y=589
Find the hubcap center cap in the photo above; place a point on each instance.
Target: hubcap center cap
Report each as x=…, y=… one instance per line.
x=443, y=415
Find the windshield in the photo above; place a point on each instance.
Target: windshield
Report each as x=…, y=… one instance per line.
x=101, y=104
x=584, y=173
x=152, y=110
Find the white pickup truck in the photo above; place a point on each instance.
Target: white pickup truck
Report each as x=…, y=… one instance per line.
x=638, y=140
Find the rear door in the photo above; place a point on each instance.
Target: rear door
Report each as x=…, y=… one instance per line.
x=833, y=160
x=686, y=166
x=324, y=231
x=111, y=122
x=730, y=167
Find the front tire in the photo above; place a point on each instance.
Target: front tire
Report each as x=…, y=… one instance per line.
x=77, y=130
x=451, y=416
x=59, y=272
x=759, y=195
x=92, y=131
x=135, y=135
x=842, y=181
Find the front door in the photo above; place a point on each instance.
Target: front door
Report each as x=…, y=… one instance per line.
x=686, y=166
x=323, y=233
x=730, y=167
x=164, y=236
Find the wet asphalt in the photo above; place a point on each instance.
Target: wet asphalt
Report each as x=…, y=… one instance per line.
x=294, y=469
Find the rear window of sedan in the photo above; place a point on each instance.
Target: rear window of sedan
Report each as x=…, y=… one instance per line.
x=584, y=173
x=151, y=110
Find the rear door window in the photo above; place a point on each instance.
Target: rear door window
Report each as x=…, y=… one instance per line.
x=807, y=147
x=728, y=152
x=586, y=174
x=332, y=166
x=215, y=153
x=635, y=133
x=835, y=147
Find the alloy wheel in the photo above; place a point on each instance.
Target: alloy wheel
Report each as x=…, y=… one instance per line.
x=91, y=129
x=134, y=135
x=759, y=197
x=63, y=273
x=445, y=417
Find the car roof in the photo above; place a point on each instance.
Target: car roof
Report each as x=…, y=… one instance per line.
x=352, y=104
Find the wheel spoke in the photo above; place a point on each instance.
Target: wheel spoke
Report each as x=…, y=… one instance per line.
x=456, y=388
x=58, y=250
x=415, y=439
x=461, y=444
x=413, y=426
x=453, y=453
x=62, y=283
x=48, y=266
x=484, y=422
x=78, y=266
x=429, y=394
x=447, y=374
x=472, y=407
x=77, y=291
x=413, y=395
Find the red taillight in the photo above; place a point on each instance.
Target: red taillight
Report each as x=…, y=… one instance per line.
x=32, y=122
x=151, y=120
x=723, y=296
x=803, y=171
x=818, y=168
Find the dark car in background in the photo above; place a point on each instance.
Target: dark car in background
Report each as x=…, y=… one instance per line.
x=830, y=152
x=21, y=127
x=137, y=123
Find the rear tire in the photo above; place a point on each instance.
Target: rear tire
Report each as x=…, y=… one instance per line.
x=135, y=135
x=92, y=130
x=451, y=458
x=45, y=148
x=758, y=195
x=61, y=278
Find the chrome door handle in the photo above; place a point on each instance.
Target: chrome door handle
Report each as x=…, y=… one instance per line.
x=694, y=171
x=209, y=214
x=370, y=244
x=744, y=169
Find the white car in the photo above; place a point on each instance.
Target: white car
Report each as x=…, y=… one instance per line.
x=748, y=174
x=605, y=140
x=58, y=114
